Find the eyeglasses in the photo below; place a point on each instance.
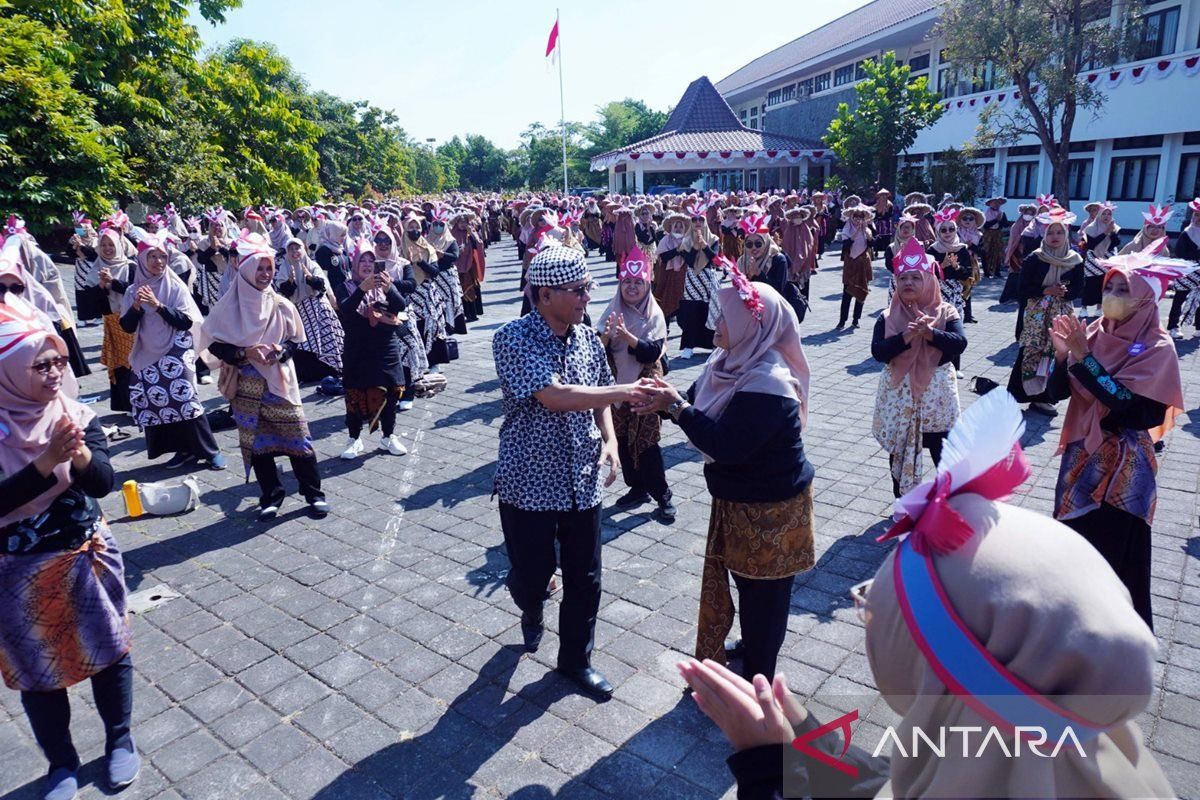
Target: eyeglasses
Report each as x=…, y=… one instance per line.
x=755, y=245
x=578, y=291
x=946, y=230
x=15, y=288
x=57, y=362
x=383, y=241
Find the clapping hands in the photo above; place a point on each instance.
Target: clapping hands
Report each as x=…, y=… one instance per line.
x=614, y=328
x=920, y=328
x=66, y=444
x=1069, y=337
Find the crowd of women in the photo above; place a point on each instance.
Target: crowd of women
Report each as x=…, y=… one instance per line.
x=365, y=302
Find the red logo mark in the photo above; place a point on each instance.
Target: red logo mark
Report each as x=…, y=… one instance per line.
x=842, y=723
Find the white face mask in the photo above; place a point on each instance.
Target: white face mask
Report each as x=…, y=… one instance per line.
x=1027, y=217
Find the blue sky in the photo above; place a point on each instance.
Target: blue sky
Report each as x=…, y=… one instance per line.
x=478, y=67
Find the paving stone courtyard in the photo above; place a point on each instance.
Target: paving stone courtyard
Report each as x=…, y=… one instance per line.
x=376, y=653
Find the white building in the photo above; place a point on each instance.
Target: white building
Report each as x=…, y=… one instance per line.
x=1143, y=146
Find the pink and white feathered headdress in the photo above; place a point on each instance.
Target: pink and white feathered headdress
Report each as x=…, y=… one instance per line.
x=913, y=258
x=14, y=225
x=118, y=219
x=80, y=219
x=1195, y=204
x=252, y=245
x=1047, y=200
x=697, y=208
x=169, y=210
x=1152, y=266
x=156, y=219
x=755, y=223
x=983, y=456
x=441, y=214
x=746, y=290
x=1056, y=213
x=945, y=215
x=634, y=266
x=215, y=214
x=572, y=217
x=192, y=223
x=1158, y=215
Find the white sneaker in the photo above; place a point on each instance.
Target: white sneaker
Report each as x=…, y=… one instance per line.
x=205, y=380
x=405, y=405
x=435, y=369
x=353, y=450
x=393, y=445
x=686, y=353
x=1176, y=333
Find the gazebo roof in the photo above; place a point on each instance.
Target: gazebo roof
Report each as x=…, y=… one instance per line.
x=704, y=125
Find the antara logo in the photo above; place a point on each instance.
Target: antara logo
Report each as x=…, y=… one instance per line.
x=1034, y=737
x=842, y=723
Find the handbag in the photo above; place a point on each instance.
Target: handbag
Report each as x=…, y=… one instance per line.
x=169, y=497
x=452, y=348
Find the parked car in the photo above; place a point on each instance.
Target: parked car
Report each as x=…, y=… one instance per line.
x=587, y=191
x=665, y=189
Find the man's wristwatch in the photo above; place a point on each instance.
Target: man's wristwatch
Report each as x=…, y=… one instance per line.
x=676, y=408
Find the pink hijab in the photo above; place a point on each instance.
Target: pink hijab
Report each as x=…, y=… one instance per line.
x=1137, y=353
x=27, y=423
x=246, y=315
x=764, y=355
x=921, y=358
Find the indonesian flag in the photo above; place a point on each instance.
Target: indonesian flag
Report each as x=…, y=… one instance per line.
x=552, y=44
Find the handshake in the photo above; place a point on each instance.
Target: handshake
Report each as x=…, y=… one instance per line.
x=649, y=395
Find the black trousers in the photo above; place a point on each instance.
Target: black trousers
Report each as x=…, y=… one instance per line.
x=529, y=537
x=967, y=309
x=763, y=609
x=50, y=715
x=649, y=476
x=387, y=416
x=930, y=441
x=267, y=474
x=858, y=309
x=1124, y=541
x=1177, y=311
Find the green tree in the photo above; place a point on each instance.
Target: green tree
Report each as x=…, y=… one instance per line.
x=622, y=122
x=544, y=156
x=955, y=173
x=249, y=89
x=1040, y=49
x=429, y=174
x=54, y=155
x=890, y=111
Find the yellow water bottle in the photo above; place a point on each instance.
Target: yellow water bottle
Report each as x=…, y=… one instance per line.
x=133, y=501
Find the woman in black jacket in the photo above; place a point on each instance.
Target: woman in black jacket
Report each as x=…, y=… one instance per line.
x=371, y=310
x=1051, y=280
x=746, y=414
x=61, y=574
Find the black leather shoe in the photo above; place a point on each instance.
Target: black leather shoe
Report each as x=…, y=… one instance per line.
x=735, y=649
x=589, y=680
x=532, y=630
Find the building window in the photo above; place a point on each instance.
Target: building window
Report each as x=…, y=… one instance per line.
x=754, y=118
x=821, y=82
x=742, y=116
x=1189, y=178
x=983, y=79
x=919, y=63
x=1133, y=178
x=843, y=75
x=947, y=82
x=860, y=71
x=805, y=87
x=1157, y=34
x=774, y=97
x=1083, y=147
x=1025, y=150
x=1137, y=142
x=1020, y=179
x=1079, y=178
x=985, y=176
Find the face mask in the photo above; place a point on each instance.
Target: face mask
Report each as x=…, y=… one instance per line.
x=414, y=235
x=439, y=228
x=1027, y=217
x=1117, y=308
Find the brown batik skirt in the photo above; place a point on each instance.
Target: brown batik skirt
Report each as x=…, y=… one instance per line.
x=765, y=541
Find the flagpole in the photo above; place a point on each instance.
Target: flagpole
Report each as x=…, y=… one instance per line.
x=562, y=118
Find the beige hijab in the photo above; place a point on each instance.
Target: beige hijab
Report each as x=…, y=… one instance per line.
x=1045, y=604
x=246, y=315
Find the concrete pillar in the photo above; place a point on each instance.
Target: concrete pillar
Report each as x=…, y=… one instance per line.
x=1168, y=169
x=639, y=174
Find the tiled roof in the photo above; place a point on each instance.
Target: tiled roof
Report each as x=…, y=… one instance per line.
x=704, y=122
x=870, y=19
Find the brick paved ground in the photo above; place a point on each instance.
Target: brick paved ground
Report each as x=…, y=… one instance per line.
x=375, y=654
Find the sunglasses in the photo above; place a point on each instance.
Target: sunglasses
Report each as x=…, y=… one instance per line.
x=755, y=245
x=578, y=291
x=946, y=230
x=15, y=288
x=383, y=241
x=57, y=362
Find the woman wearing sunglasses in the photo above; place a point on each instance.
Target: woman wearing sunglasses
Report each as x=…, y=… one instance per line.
x=61, y=573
